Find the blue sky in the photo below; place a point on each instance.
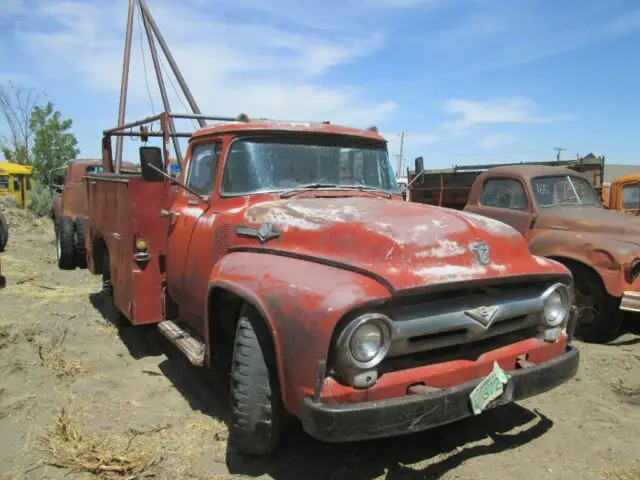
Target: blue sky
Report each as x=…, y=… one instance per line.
x=470, y=81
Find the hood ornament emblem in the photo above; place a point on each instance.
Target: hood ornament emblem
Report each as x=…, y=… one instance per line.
x=481, y=252
x=482, y=315
x=264, y=233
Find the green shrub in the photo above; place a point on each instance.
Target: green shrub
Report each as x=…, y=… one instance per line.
x=40, y=201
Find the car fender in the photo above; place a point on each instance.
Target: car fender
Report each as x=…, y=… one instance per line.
x=607, y=257
x=302, y=301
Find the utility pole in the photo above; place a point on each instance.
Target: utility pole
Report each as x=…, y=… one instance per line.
x=559, y=150
x=400, y=155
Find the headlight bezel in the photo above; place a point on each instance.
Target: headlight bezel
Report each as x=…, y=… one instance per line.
x=343, y=343
x=565, y=294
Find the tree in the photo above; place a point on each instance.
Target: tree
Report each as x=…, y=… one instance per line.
x=16, y=106
x=54, y=145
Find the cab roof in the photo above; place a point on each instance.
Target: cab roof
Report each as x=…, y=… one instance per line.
x=279, y=126
x=527, y=172
x=632, y=177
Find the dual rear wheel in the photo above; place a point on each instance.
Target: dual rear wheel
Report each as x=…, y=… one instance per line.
x=70, y=248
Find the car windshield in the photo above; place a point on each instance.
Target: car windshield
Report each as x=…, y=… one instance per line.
x=269, y=164
x=564, y=190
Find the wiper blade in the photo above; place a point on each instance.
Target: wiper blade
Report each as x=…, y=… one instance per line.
x=309, y=186
x=362, y=188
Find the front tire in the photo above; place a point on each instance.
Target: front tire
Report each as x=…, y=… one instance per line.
x=599, y=316
x=256, y=405
x=66, y=243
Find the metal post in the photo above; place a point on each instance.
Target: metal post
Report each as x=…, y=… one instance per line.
x=125, y=83
x=172, y=63
x=161, y=86
x=400, y=159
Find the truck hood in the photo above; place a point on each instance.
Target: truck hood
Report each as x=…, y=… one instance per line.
x=615, y=225
x=409, y=245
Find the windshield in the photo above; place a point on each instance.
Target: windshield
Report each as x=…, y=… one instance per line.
x=263, y=165
x=564, y=190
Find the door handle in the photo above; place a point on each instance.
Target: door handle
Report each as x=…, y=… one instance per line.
x=169, y=213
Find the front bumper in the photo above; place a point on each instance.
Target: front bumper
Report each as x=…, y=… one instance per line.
x=630, y=301
x=414, y=413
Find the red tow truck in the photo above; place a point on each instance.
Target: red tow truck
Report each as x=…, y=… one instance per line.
x=284, y=251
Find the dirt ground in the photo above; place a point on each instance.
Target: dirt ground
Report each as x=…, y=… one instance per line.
x=82, y=397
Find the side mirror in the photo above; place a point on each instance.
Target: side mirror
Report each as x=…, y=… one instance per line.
x=150, y=163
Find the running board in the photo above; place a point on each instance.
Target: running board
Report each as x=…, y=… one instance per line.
x=190, y=346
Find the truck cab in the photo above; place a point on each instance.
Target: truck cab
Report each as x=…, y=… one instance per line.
x=285, y=255
x=560, y=215
x=624, y=194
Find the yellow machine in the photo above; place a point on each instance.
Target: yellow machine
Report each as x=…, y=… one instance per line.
x=16, y=180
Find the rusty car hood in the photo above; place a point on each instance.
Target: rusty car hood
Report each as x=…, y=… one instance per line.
x=609, y=223
x=409, y=245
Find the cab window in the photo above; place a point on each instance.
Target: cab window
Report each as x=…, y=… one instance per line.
x=503, y=193
x=631, y=196
x=4, y=182
x=203, y=167
x=16, y=184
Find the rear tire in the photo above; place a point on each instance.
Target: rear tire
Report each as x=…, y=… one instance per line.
x=81, y=251
x=4, y=232
x=599, y=315
x=66, y=243
x=256, y=405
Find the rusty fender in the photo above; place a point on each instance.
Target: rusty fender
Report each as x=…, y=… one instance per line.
x=302, y=301
x=608, y=257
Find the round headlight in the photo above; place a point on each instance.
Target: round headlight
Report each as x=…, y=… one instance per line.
x=366, y=342
x=556, y=307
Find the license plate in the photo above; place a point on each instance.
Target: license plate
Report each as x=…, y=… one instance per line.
x=488, y=389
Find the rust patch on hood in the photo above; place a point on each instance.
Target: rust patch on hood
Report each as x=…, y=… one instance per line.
x=408, y=244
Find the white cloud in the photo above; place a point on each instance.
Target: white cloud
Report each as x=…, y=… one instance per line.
x=230, y=67
x=511, y=110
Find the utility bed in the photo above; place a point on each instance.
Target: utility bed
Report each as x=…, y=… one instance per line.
x=137, y=217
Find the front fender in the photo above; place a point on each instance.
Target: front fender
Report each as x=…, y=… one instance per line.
x=302, y=301
x=607, y=256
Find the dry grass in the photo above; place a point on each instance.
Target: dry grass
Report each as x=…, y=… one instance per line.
x=619, y=474
x=51, y=355
x=197, y=433
x=623, y=389
x=8, y=335
x=67, y=446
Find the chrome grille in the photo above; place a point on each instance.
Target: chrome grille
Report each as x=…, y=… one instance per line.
x=438, y=324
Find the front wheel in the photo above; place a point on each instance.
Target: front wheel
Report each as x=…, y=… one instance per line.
x=256, y=405
x=599, y=316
